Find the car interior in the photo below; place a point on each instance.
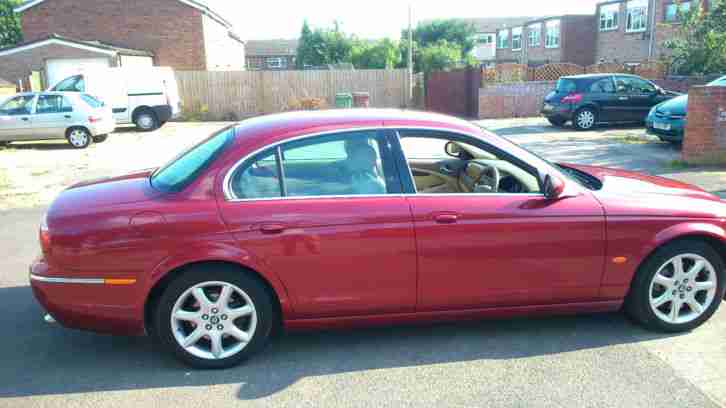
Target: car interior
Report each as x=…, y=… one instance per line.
x=441, y=166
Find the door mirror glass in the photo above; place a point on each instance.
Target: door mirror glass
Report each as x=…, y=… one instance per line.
x=553, y=187
x=453, y=149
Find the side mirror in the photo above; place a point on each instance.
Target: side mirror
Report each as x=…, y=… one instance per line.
x=553, y=187
x=453, y=149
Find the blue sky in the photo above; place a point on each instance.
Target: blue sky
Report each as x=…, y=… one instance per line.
x=375, y=18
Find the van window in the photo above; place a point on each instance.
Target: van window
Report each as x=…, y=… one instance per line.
x=73, y=84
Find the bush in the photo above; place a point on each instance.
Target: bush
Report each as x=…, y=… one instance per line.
x=295, y=104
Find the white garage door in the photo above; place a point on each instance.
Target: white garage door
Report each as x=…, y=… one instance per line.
x=136, y=61
x=60, y=69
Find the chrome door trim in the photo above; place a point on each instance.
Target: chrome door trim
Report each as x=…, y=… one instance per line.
x=83, y=281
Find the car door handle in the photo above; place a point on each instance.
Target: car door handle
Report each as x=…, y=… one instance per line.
x=272, y=228
x=446, y=218
x=67, y=116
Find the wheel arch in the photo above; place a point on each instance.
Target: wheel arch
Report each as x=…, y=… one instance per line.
x=139, y=109
x=277, y=294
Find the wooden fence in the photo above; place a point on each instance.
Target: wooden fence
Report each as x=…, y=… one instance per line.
x=238, y=94
x=509, y=72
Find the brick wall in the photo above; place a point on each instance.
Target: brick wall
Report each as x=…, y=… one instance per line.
x=617, y=45
x=578, y=39
x=170, y=29
x=524, y=99
x=705, y=137
x=540, y=54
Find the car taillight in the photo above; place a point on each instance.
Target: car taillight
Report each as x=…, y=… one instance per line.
x=572, y=98
x=44, y=236
x=94, y=119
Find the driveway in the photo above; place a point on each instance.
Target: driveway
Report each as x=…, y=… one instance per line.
x=584, y=361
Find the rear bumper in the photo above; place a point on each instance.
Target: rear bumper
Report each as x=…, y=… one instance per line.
x=102, y=128
x=86, y=303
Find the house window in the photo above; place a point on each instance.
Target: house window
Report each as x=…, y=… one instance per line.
x=517, y=39
x=276, y=63
x=534, y=35
x=552, y=35
x=675, y=12
x=637, y=16
x=609, y=17
x=484, y=38
x=503, y=39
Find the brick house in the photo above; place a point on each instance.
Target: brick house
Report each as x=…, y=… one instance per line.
x=566, y=38
x=61, y=34
x=633, y=31
x=271, y=55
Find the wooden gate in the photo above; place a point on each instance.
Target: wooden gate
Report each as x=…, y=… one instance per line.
x=454, y=93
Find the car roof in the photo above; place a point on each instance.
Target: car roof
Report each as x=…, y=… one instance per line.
x=71, y=94
x=598, y=76
x=282, y=126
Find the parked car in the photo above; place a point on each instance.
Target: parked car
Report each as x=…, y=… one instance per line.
x=587, y=100
x=667, y=120
x=344, y=218
x=79, y=118
x=147, y=97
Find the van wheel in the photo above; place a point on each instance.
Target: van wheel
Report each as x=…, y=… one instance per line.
x=100, y=138
x=146, y=120
x=585, y=119
x=79, y=138
x=214, y=316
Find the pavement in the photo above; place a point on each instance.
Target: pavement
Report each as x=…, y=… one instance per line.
x=583, y=361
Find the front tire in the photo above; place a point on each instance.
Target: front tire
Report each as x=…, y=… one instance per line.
x=678, y=288
x=79, y=137
x=214, y=316
x=585, y=119
x=146, y=120
x=100, y=138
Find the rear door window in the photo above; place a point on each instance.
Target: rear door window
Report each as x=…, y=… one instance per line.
x=53, y=104
x=566, y=86
x=604, y=85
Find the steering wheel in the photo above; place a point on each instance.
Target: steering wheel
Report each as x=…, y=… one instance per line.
x=488, y=181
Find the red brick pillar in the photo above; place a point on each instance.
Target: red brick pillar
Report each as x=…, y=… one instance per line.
x=705, y=137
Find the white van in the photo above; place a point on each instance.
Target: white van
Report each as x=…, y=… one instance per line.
x=145, y=96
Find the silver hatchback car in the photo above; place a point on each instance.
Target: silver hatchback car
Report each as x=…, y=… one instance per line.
x=79, y=118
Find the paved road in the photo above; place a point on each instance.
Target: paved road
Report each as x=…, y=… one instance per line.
x=587, y=361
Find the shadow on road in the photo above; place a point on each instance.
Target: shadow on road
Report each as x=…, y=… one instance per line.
x=545, y=128
x=56, y=145
x=41, y=359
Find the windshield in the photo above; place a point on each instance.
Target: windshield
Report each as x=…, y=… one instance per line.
x=182, y=170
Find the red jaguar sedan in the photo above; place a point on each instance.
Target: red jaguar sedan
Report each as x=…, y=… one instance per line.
x=368, y=217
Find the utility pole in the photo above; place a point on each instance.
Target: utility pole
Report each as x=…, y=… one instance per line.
x=410, y=56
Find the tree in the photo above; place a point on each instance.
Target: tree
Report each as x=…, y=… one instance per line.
x=10, y=30
x=323, y=46
x=700, y=46
x=438, y=57
x=452, y=31
x=383, y=54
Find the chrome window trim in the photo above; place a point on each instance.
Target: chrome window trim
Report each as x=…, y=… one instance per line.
x=84, y=281
x=230, y=197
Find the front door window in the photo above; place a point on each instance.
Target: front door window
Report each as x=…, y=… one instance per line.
x=20, y=105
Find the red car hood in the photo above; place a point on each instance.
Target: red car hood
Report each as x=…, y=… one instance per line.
x=105, y=192
x=629, y=193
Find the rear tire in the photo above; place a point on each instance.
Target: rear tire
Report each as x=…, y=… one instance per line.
x=658, y=287
x=212, y=319
x=79, y=138
x=557, y=122
x=585, y=119
x=146, y=120
x=100, y=138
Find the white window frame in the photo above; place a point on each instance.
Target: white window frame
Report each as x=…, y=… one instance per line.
x=534, y=35
x=680, y=10
x=275, y=62
x=552, y=40
x=501, y=45
x=631, y=7
x=484, y=38
x=609, y=14
x=517, y=33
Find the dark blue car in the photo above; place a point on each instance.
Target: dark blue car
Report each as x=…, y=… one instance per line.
x=667, y=120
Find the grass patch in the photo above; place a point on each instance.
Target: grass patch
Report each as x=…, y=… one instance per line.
x=631, y=139
x=678, y=164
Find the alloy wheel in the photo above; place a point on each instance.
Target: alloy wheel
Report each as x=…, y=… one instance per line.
x=214, y=320
x=683, y=288
x=145, y=121
x=585, y=119
x=78, y=138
